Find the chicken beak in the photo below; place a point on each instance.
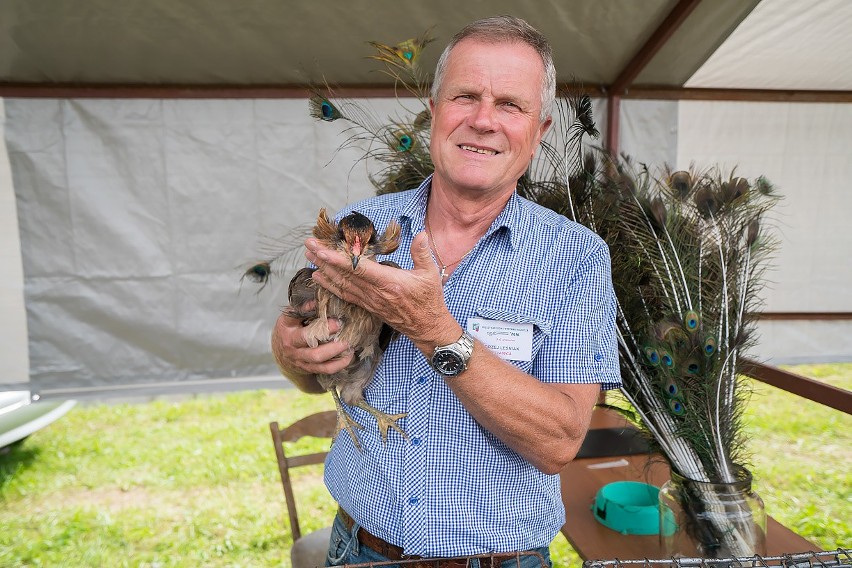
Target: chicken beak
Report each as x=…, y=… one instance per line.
x=356, y=251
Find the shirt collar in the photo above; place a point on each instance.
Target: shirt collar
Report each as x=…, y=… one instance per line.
x=511, y=217
x=415, y=209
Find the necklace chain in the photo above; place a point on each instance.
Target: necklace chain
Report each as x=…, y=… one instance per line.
x=438, y=254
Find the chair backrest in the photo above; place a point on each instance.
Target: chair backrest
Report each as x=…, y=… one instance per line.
x=320, y=425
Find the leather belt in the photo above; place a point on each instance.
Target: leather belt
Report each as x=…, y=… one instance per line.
x=393, y=552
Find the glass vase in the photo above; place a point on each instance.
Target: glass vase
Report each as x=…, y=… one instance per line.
x=701, y=519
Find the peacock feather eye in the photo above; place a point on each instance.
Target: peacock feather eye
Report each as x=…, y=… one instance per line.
x=410, y=49
x=404, y=141
x=402, y=55
x=710, y=346
x=681, y=182
x=259, y=272
x=672, y=389
x=691, y=320
x=676, y=406
x=693, y=367
x=323, y=109
x=667, y=330
x=652, y=355
x=666, y=359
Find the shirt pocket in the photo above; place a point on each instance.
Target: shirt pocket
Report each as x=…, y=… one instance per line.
x=541, y=329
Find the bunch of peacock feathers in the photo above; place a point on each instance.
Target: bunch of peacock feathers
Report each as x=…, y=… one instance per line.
x=688, y=253
x=688, y=256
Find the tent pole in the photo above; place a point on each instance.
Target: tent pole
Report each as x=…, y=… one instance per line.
x=613, y=112
x=619, y=87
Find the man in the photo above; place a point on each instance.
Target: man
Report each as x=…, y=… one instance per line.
x=505, y=346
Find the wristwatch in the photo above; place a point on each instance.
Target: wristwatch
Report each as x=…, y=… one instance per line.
x=450, y=360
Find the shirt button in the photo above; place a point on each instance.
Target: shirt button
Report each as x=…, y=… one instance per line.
x=416, y=441
x=598, y=357
x=421, y=380
x=413, y=500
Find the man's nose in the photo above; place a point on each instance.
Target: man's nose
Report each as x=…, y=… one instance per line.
x=483, y=116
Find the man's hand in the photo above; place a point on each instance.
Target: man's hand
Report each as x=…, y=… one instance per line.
x=410, y=301
x=298, y=361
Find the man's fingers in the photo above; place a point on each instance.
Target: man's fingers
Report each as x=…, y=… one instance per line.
x=335, y=282
x=333, y=325
x=328, y=358
x=325, y=352
x=421, y=255
x=286, y=326
x=290, y=330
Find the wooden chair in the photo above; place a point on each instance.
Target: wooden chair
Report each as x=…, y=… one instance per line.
x=308, y=550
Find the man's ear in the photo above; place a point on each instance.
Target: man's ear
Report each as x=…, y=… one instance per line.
x=544, y=127
x=541, y=131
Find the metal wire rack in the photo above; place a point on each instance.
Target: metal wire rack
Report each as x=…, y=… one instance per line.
x=475, y=561
x=839, y=557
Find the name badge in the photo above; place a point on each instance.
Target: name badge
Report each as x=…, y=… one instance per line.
x=510, y=341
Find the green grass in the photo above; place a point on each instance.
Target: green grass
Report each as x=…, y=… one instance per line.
x=802, y=457
x=190, y=483
x=195, y=483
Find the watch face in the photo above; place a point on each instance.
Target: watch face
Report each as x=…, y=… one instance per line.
x=448, y=363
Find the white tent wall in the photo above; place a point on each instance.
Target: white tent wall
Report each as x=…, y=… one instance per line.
x=649, y=131
x=137, y=218
x=14, y=354
x=805, y=150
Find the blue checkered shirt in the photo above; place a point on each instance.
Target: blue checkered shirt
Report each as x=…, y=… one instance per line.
x=453, y=488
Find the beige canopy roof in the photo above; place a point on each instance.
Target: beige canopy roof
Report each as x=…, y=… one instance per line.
x=605, y=44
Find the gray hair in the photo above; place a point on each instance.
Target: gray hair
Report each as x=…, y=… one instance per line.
x=506, y=29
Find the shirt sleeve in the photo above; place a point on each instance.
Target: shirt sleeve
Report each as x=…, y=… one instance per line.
x=582, y=345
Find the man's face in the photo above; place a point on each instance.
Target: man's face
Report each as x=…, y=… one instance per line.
x=485, y=120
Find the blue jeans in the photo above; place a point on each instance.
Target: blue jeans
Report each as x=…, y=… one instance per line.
x=344, y=548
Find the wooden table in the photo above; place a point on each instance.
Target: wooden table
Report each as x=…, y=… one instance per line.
x=594, y=541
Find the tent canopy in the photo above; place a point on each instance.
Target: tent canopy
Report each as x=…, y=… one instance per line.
x=264, y=43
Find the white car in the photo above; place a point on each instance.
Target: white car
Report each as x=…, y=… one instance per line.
x=22, y=414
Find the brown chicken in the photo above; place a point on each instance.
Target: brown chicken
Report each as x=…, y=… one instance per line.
x=364, y=332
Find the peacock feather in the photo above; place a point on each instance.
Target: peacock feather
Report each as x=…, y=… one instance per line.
x=323, y=109
x=277, y=256
x=401, y=63
x=403, y=55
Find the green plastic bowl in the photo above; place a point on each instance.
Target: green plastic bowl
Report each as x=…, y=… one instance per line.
x=629, y=507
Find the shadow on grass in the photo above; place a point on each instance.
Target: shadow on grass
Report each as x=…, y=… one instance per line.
x=15, y=458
